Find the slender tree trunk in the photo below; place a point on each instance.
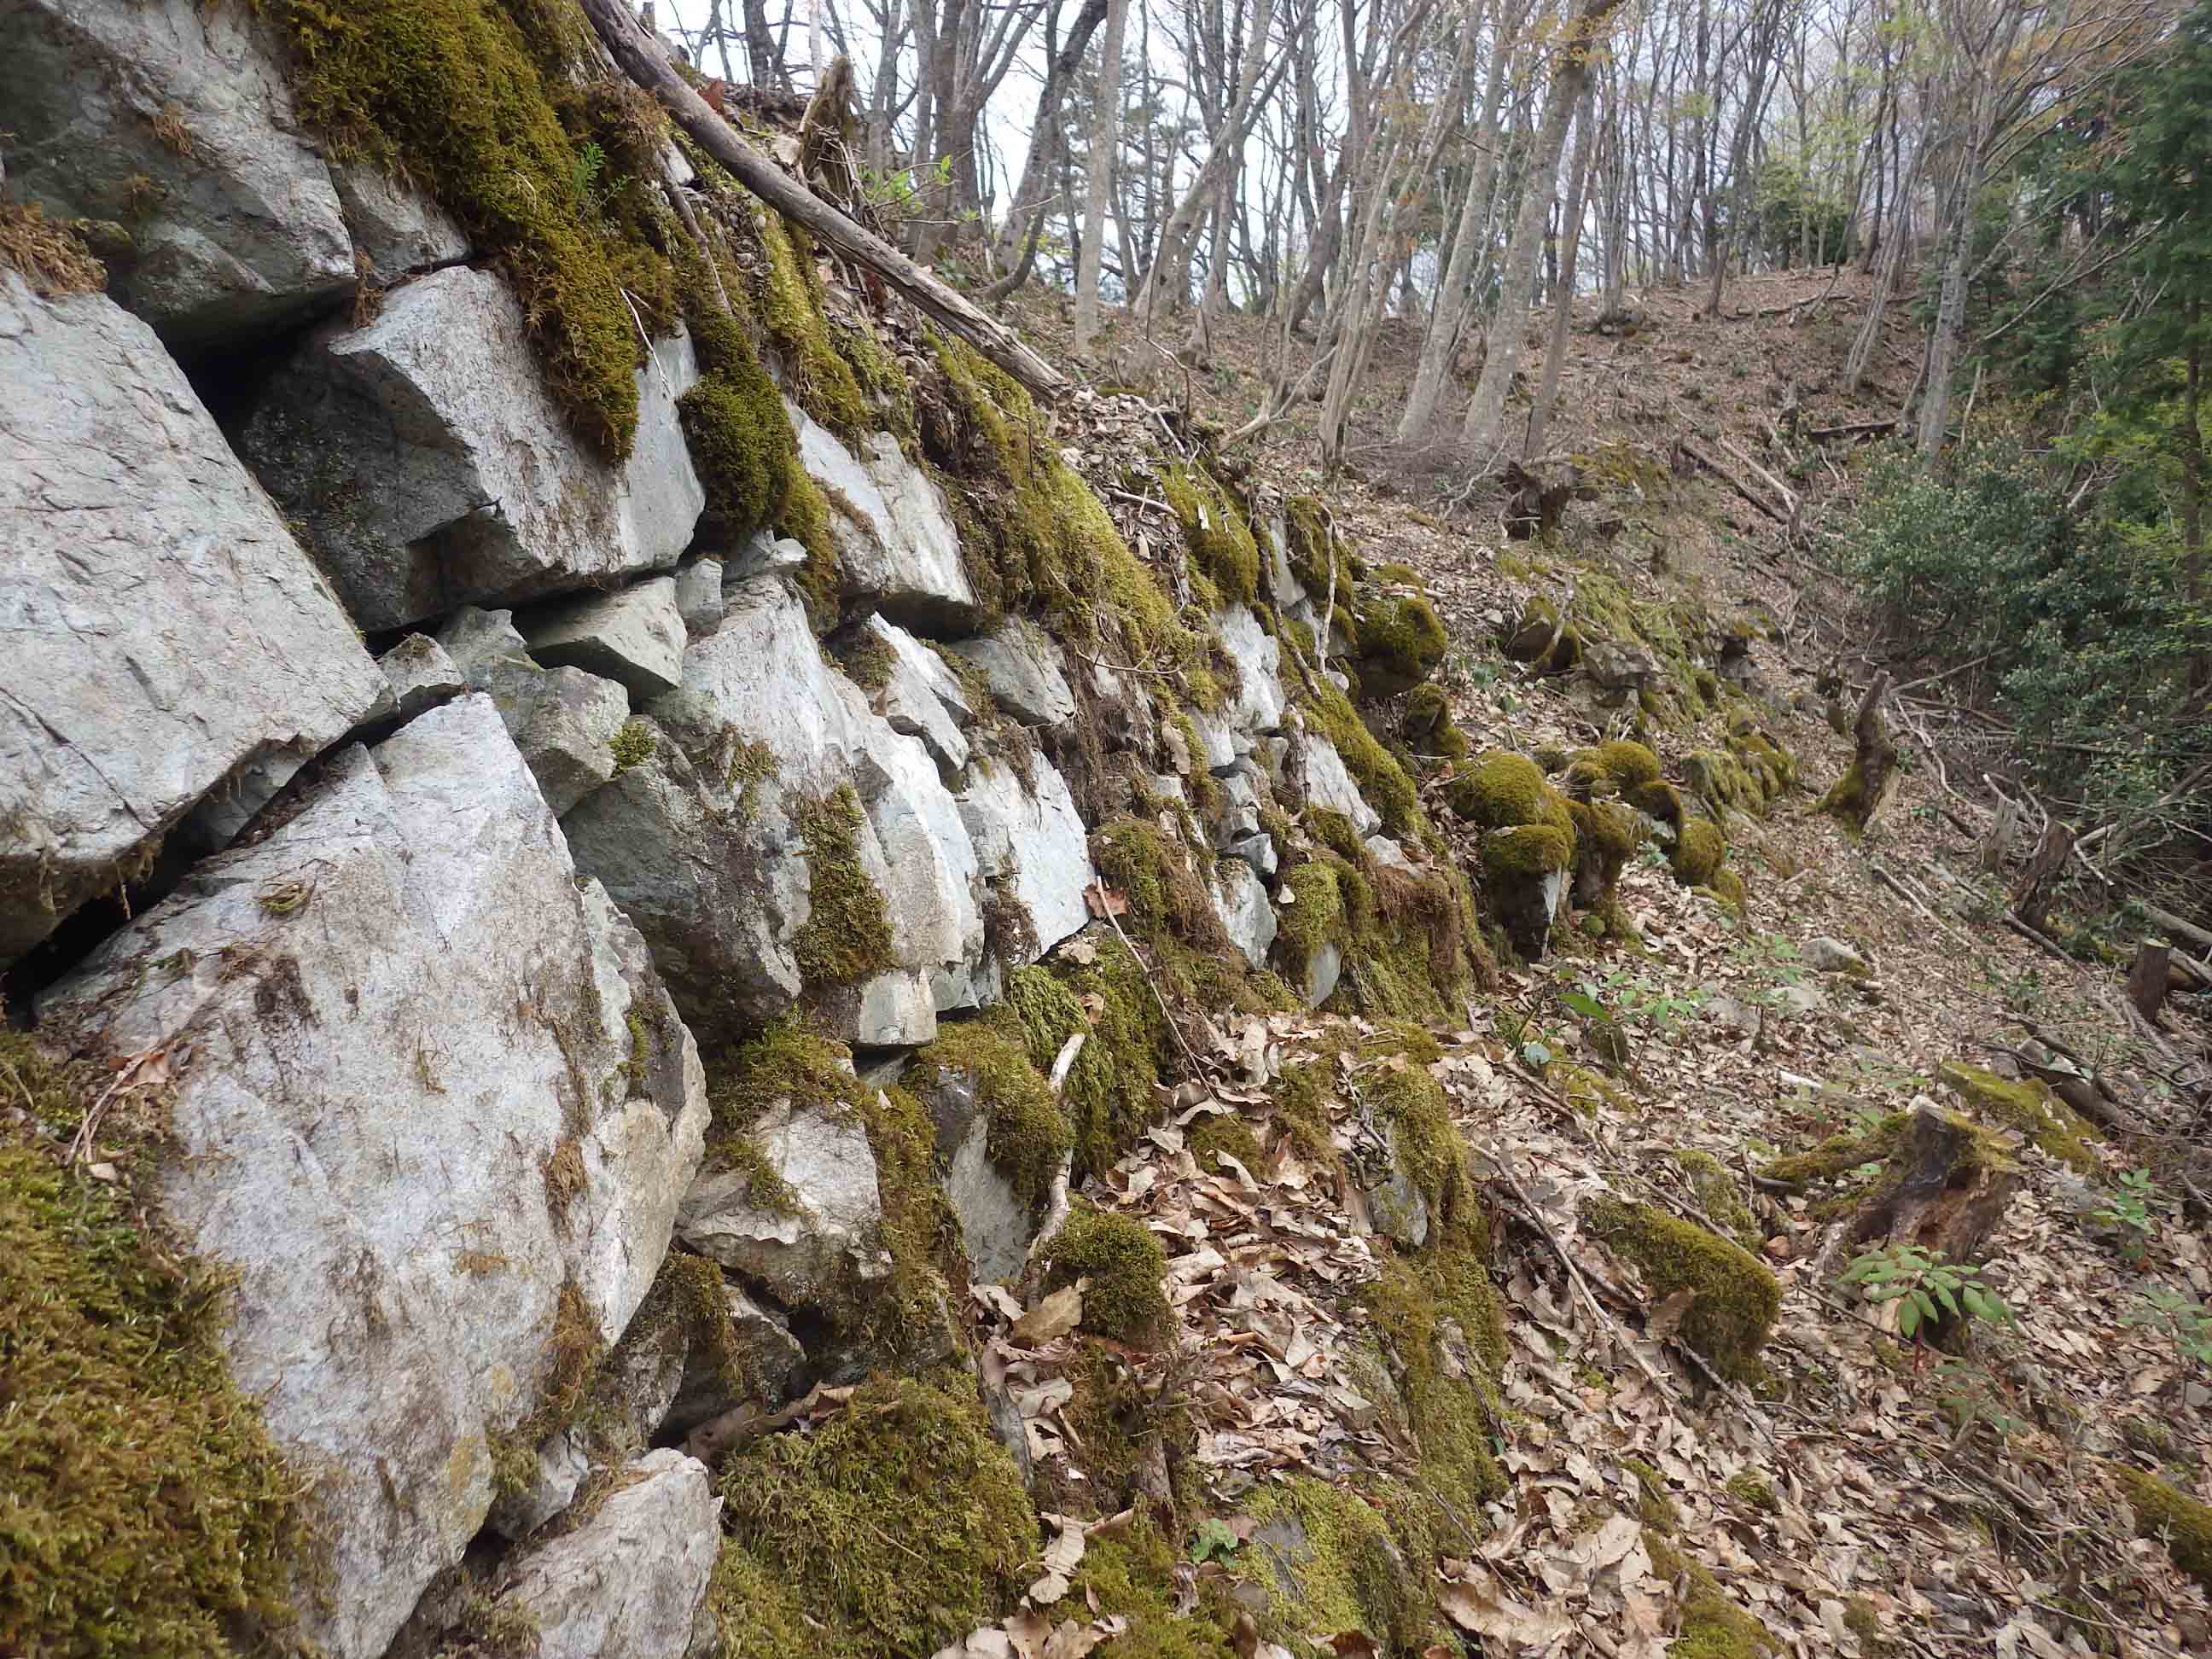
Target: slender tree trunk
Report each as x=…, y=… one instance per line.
x=1951, y=312
x=1486, y=413
x=1105, y=135
x=1025, y=212
x=2193, y=493
x=1555, y=353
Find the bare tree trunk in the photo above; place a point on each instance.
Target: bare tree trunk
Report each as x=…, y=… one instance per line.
x=1025, y=212
x=1555, y=353
x=1870, y=326
x=1105, y=135
x=1486, y=413
x=1951, y=312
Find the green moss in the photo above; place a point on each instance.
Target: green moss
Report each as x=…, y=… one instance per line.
x=1840, y=1153
x=632, y=745
x=1699, y=847
x=1543, y=639
x=1499, y=791
x=147, y=1510
x=1653, y=1506
x=1729, y=887
x=789, y=296
x=1718, y=1196
x=1623, y=765
x=2025, y=1104
x=1526, y=851
x=2163, y=1511
x=1126, y=1299
x=1331, y=1564
x=1314, y=917
x=1215, y=532
x=1223, y=1132
x=1165, y=893
x=1388, y=786
x=1587, y=1091
x=1409, y=1105
x=1111, y=1093
x=1427, y=725
x=896, y=1528
x=740, y=439
x=1398, y=641
x=1750, y=1489
x=1029, y=1134
x=806, y=518
x=457, y=93
x=847, y=934
x=1442, y=1328
x=1130, y=1573
x=574, y=1349
x=1736, y=1296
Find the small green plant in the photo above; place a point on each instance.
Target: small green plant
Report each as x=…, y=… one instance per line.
x=2131, y=1210
x=1215, y=1541
x=1926, y=1286
x=1538, y=1045
x=2181, y=1317
x=1970, y=1396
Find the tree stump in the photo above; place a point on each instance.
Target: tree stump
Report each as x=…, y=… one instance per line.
x=1996, y=845
x=2030, y=900
x=1865, y=790
x=2150, y=979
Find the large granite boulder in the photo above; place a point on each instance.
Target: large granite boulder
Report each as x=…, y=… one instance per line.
x=164, y=632
x=430, y=1108
x=174, y=119
x=431, y=467
x=626, y=1583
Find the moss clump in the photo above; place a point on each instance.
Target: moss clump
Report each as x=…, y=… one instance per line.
x=1615, y=767
x=1165, y=893
x=740, y=439
x=1130, y=1573
x=458, y=92
x=1029, y=1134
x=1110, y=1094
x=1750, y=1489
x=632, y=746
x=1718, y=1196
x=1398, y=641
x=2164, y=1511
x=895, y=1528
x=1736, y=1296
x=1587, y=1091
x=1543, y=639
x=1710, y=1626
x=789, y=298
x=1331, y=1563
x=575, y=1349
x=1526, y=851
x=1497, y=790
x=1442, y=1329
x=1220, y=541
x=847, y=935
x=1654, y=1507
x=1427, y=725
x=1839, y=1154
x=1699, y=847
x=146, y=1510
x=1123, y=1261
x=1410, y=1106
x=1314, y=917
x=1221, y=1133
x=2025, y=1104
x=51, y=256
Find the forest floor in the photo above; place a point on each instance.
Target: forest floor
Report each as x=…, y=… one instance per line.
x=1873, y=1494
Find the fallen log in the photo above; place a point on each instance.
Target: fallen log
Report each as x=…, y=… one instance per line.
x=2149, y=979
x=1733, y=483
x=645, y=61
x=1852, y=429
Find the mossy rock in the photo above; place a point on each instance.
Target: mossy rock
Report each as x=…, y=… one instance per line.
x=1126, y=1299
x=1708, y=1625
x=1615, y=767
x=847, y=934
x=2166, y=1512
x=1427, y=725
x=1220, y=1132
x=1587, y=1091
x=1216, y=532
x=2028, y=1105
x=1524, y=873
x=147, y=1510
x=1719, y=1196
x=1736, y=1296
x=896, y=1528
x=1330, y=1564
x=1111, y=1096
x=1498, y=789
x=1130, y=1573
x=1029, y=1136
x=1442, y=1331
x=1399, y=640
x=1699, y=847
x=1160, y=880
x=1543, y=639
x=1389, y=787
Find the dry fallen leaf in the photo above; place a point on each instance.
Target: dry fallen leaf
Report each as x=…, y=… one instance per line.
x=1052, y=1318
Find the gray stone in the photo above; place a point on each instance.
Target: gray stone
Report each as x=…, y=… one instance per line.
x=997, y=1224
x=431, y=467
x=1329, y=783
x=764, y=556
x=896, y=1008
x=628, y=1582
x=895, y=543
x=1021, y=663
x=165, y=634
x=397, y=230
x=1222, y=744
x=763, y=1358
x=416, y=1122
x=1394, y=1198
x=421, y=675
x=565, y=720
x=1735, y=1018
x=1258, y=851
x=635, y=636
x=824, y=1231
x=1832, y=956
x=1323, y=968
x=174, y=119
x=699, y=596
x=1029, y=842
x=1388, y=852
x=761, y=680
x=712, y=873
x=921, y=697
x=1257, y=706
x=1240, y=902
x=1234, y=811
x=1796, y=1001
